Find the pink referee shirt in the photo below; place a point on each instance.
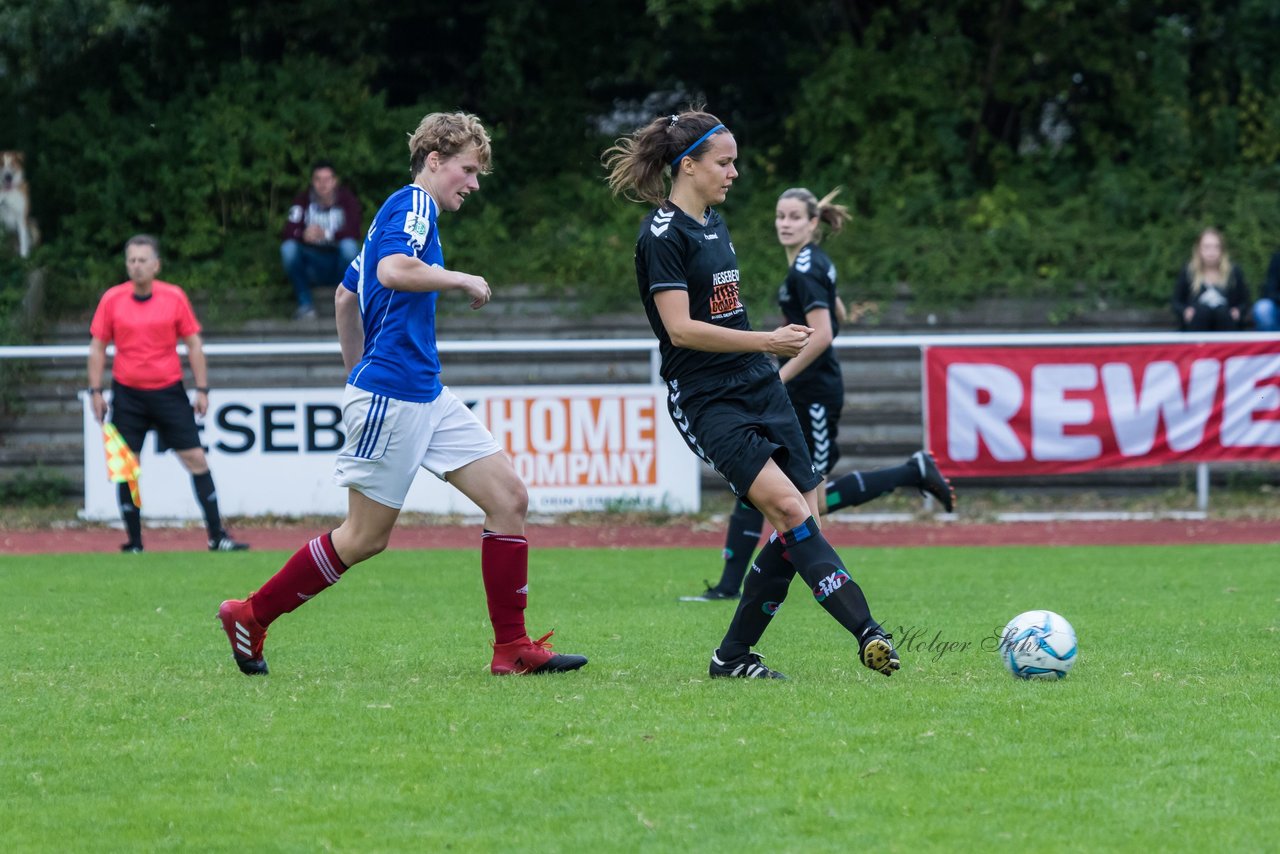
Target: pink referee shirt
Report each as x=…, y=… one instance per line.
x=146, y=333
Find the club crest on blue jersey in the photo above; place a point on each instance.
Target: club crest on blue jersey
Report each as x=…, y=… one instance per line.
x=416, y=227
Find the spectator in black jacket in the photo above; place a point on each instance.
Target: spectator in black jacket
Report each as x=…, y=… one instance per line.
x=1211, y=295
x=1264, y=310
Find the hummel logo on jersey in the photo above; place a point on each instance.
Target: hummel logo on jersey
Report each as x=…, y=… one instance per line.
x=711, y=236
x=804, y=260
x=661, y=222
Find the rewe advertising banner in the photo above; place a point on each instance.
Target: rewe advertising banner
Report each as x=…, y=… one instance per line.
x=1060, y=410
x=272, y=453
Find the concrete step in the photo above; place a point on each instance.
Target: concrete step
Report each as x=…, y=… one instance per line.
x=880, y=424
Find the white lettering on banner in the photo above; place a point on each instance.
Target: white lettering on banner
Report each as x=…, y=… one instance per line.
x=1135, y=417
x=548, y=428
x=970, y=418
x=1246, y=395
x=638, y=422
x=1052, y=411
x=578, y=441
x=274, y=453
x=587, y=430
x=1044, y=409
x=585, y=469
x=506, y=421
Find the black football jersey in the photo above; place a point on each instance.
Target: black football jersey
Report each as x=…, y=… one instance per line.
x=676, y=252
x=811, y=284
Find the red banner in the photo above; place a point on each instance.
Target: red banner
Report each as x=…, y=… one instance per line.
x=1060, y=410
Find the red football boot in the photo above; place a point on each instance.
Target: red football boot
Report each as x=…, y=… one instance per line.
x=245, y=634
x=524, y=656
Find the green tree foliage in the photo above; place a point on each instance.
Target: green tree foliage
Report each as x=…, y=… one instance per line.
x=1017, y=146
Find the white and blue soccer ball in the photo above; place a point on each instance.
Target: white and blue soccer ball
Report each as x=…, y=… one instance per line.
x=1038, y=645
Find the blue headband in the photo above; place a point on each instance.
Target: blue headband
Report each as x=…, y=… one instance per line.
x=699, y=141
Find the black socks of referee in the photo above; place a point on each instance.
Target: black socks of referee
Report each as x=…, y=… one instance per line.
x=131, y=514
x=208, y=498
x=803, y=550
x=859, y=487
x=205, y=494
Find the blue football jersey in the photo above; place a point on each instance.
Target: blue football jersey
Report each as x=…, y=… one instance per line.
x=400, y=358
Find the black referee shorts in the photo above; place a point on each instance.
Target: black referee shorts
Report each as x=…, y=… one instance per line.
x=819, y=417
x=738, y=423
x=166, y=410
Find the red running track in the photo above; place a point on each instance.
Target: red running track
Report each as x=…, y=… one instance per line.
x=895, y=535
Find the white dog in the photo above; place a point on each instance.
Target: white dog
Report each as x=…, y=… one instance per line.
x=15, y=203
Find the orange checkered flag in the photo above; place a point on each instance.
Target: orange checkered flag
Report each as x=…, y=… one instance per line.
x=122, y=465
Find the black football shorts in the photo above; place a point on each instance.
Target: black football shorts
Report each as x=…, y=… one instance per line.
x=819, y=418
x=166, y=410
x=738, y=423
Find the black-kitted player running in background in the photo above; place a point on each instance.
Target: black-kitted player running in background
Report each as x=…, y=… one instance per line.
x=724, y=394
x=815, y=384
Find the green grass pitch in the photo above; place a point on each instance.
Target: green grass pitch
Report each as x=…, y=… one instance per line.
x=124, y=724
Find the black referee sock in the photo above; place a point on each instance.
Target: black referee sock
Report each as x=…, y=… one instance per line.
x=821, y=568
x=208, y=498
x=131, y=514
x=762, y=595
x=859, y=487
x=745, y=526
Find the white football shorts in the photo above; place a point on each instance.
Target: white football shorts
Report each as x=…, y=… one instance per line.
x=388, y=440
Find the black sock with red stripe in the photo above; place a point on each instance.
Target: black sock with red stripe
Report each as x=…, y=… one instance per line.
x=823, y=570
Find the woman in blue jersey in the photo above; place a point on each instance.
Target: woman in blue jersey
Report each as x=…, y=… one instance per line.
x=399, y=417
x=815, y=385
x=724, y=394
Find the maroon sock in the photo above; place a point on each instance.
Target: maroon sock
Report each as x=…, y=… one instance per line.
x=504, y=563
x=312, y=568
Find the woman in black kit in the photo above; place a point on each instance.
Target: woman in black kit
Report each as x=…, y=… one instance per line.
x=724, y=394
x=815, y=384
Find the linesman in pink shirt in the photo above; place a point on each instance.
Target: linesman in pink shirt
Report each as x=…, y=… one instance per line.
x=146, y=318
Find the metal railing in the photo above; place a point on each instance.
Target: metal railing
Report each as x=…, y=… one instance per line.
x=649, y=346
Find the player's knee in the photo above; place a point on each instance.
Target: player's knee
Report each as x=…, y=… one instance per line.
x=511, y=503
x=786, y=512
x=364, y=547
